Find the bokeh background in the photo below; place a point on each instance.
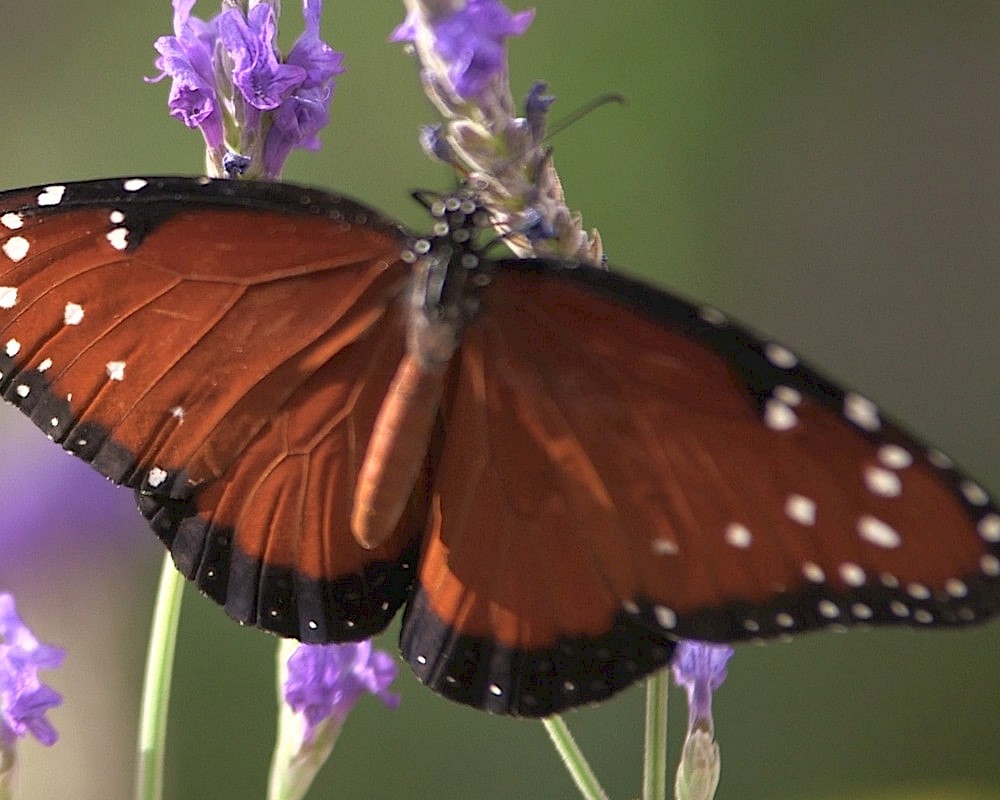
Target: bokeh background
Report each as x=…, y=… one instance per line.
x=827, y=171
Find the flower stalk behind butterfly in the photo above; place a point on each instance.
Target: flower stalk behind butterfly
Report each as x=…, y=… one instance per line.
x=463, y=67
x=253, y=104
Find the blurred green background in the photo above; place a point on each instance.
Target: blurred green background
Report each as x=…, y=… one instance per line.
x=828, y=172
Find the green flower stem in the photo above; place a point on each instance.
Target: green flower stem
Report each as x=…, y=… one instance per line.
x=156, y=684
x=654, y=767
x=573, y=758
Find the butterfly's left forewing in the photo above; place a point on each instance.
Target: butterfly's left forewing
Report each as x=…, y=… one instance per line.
x=222, y=348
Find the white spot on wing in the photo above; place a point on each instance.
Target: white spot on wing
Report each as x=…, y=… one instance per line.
x=918, y=591
x=664, y=547
x=23, y=390
x=787, y=395
x=784, y=619
x=738, y=535
x=118, y=238
x=8, y=296
x=956, y=588
x=115, y=370
x=51, y=195
x=882, y=482
x=178, y=412
x=877, y=532
x=44, y=365
x=12, y=221
x=12, y=348
x=989, y=528
x=712, y=316
x=117, y=217
x=813, y=572
x=861, y=411
x=894, y=456
x=665, y=616
x=134, y=184
x=828, y=609
x=861, y=611
x=15, y=248
x=852, y=574
x=156, y=477
x=974, y=493
x=780, y=356
x=800, y=509
x=73, y=314
x=990, y=565
x=778, y=416
x=939, y=459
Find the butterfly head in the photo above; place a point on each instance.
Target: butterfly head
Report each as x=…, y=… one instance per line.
x=448, y=274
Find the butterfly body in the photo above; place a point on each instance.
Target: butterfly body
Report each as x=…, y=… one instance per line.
x=558, y=470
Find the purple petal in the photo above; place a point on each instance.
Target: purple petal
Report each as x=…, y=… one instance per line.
x=261, y=78
x=296, y=123
x=700, y=668
x=24, y=699
x=471, y=41
x=186, y=58
x=327, y=680
x=320, y=61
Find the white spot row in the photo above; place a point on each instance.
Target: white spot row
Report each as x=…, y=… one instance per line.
x=73, y=314
x=780, y=356
x=801, y=509
x=51, y=195
x=115, y=370
x=118, y=238
x=156, y=477
x=12, y=221
x=989, y=527
x=862, y=412
x=15, y=248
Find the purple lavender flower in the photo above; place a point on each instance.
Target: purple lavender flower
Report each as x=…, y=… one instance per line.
x=187, y=57
x=320, y=685
x=325, y=681
x=261, y=78
x=24, y=699
x=230, y=80
x=700, y=668
x=471, y=41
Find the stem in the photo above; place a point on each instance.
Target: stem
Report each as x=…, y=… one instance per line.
x=654, y=767
x=573, y=758
x=156, y=684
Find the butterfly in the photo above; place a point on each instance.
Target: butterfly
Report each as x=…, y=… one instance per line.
x=558, y=470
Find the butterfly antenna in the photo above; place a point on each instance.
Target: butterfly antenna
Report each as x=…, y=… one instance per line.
x=584, y=110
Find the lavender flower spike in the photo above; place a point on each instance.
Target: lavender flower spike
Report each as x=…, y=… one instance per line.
x=321, y=685
x=461, y=49
x=24, y=699
x=700, y=668
x=252, y=104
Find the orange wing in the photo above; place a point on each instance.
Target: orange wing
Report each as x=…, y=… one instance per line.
x=223, y=348
x=622, y=469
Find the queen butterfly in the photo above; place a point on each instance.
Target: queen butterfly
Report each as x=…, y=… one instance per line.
x=558, y=469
